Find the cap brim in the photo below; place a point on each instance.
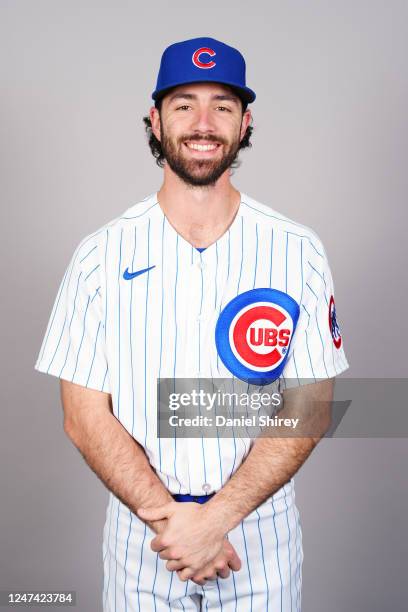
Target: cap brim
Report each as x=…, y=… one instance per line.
x=245, y=93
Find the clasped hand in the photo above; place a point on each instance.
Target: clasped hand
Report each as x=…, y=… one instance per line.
x=193, y=542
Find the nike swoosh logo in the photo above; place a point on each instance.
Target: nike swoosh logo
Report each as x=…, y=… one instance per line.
x=129, y=275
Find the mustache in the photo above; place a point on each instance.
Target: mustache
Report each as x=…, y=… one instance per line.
x=198, y=137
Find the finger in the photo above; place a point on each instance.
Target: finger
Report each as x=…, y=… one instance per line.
x=235, y=563
x=155, y=514
x=158, y=545
x=224, y=572
x=185, y=574
x=220, y=567
x=199, y=581
x=197, y=578
x=175, y=564
x=209, y=572
x=168, y=555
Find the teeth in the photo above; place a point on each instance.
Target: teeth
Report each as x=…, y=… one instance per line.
x=199, y=147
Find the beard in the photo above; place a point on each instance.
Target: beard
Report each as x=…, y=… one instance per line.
x=198, y=172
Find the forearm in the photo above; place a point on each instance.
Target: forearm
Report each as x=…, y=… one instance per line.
x=270, y=463
x=120, y=462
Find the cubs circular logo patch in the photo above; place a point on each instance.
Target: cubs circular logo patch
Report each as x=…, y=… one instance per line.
x=254, y=332
x=201, y=62
x=334, y=327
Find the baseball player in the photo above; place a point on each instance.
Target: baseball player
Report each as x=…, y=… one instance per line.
x=196, y=280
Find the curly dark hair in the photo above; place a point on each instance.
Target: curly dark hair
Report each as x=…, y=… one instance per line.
x=155, y=145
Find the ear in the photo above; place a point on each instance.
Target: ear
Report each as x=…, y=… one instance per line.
x=246, y=120
x=155, y=121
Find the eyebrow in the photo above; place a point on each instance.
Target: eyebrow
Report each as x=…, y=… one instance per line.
x=188, y=96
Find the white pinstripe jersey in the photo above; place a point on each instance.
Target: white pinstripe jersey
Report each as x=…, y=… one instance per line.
x=119, y=336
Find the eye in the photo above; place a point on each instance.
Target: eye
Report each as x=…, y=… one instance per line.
x=224, y=108
x=182, y=106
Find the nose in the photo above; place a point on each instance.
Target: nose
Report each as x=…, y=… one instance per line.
x=203, y=121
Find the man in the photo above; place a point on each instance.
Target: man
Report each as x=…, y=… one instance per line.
x=196, y=280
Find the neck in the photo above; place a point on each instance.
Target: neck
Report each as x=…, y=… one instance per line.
x=199, y=214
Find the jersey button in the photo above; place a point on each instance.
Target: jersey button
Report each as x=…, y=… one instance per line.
x=206, y=487
x=200, y=265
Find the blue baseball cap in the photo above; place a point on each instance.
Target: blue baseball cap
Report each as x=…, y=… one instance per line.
x=202, y=60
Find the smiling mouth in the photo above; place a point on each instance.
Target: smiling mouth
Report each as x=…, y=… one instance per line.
x=208, y=147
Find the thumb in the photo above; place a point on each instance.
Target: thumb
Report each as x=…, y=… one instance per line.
x=155, y=514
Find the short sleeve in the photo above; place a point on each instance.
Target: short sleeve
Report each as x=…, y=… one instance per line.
x=317, y=348
x=73, y=347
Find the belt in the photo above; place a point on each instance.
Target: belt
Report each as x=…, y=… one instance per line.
x=186, y=497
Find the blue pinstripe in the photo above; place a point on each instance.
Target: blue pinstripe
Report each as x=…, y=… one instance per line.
x=256, y=253
x=57, y=301
x=106, y=288
x=297, y=558
x=154, y=580
x=199, y=362
x=170, y=584
x=290, y=563
x=325, y=290
x=94, y=353
x=140, y=568
x=85, y=256
x=321, y=340
x=306, y=311
x=133, y=406
x=91, y=272
x=215, y=306
x=242, y=252
x=147, y=276
x=69, y=328
x=263, y=561
x=308, y=352
x=161, y=336
x=277, y=553
x=175, y=354
x=119, y=382
x=108, y=548
x=310, y=288
x=298, y=569
x=297, y=561
x=284, y=488
x=104, y=378
x=58, y=343
x=126, y=557
x=318, y=252
x=82, y=338
x=131, y=336
x=317, y=271
x=95, y=294
x=248, y=564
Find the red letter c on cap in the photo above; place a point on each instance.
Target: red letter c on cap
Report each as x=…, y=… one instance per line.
x=196, y=58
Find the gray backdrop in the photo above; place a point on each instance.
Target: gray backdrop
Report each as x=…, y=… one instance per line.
x=329, y=151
